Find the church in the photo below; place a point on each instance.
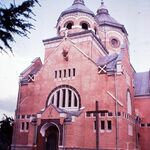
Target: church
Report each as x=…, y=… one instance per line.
x=85, y=95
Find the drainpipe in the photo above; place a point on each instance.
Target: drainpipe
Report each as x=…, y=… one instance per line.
x=64, y=142
x=116, y=109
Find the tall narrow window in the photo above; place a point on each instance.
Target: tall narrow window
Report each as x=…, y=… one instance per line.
x=64, y=97
x=102, y=125
x=74, y=72
x=94, y=125
x=64, y=73
x=95, y=31
x=22, y=126
x=58, y=95
x=69, y=72
x=75, y=101
x=58, y=29
x=69, y=98
x=52, y=100
x=109, y=125
x=55, y=74
x=27, y=125
x=59, y=73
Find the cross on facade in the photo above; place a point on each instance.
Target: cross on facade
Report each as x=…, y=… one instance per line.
x=31, y=78
x=97, y=112
x=102, y=69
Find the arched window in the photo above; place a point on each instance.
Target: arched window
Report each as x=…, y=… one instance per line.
x=84, y=25
x=58, y=30
x=69, y=25
x=95, y=30
x=129, y=103
x=64, y=97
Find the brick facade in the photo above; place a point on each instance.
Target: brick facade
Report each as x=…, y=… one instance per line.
x=82, y=65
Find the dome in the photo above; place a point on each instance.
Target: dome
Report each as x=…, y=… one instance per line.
x=103, y=18
x=77, y=6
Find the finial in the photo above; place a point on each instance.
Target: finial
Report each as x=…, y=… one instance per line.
x=102, y=9
x=78, y=2
x=102, y=2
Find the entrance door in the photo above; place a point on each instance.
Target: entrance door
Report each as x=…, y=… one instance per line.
x=52, y=138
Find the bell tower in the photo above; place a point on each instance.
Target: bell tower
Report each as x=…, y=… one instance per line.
x=76, y=18
x=112, y=34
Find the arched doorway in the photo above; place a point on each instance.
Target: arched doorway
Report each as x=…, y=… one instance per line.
x=52, y=138
x=50, y=134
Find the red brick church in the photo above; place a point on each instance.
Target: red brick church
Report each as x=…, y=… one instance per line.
x=86, y=95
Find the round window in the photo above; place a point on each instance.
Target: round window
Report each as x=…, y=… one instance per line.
x=115, y=42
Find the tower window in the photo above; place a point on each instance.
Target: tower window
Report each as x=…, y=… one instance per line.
x=58, y=30
x=95, y=30
x=84, y=26
x=69, y=25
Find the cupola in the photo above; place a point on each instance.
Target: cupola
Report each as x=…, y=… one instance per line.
x=76, y=18
x=103, y=18
x=112, y=34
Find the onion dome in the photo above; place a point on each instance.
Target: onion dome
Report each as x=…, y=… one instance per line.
x=77, y=6
x=103, y=18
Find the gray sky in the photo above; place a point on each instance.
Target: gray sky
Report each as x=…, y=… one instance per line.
x=134, y=14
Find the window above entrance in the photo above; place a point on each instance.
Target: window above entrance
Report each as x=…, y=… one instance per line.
x=65, y=97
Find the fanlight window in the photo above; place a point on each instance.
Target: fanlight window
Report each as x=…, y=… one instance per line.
x=65, y=97
x=129, y=103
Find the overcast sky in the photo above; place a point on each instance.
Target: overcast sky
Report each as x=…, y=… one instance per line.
x=134, y=14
